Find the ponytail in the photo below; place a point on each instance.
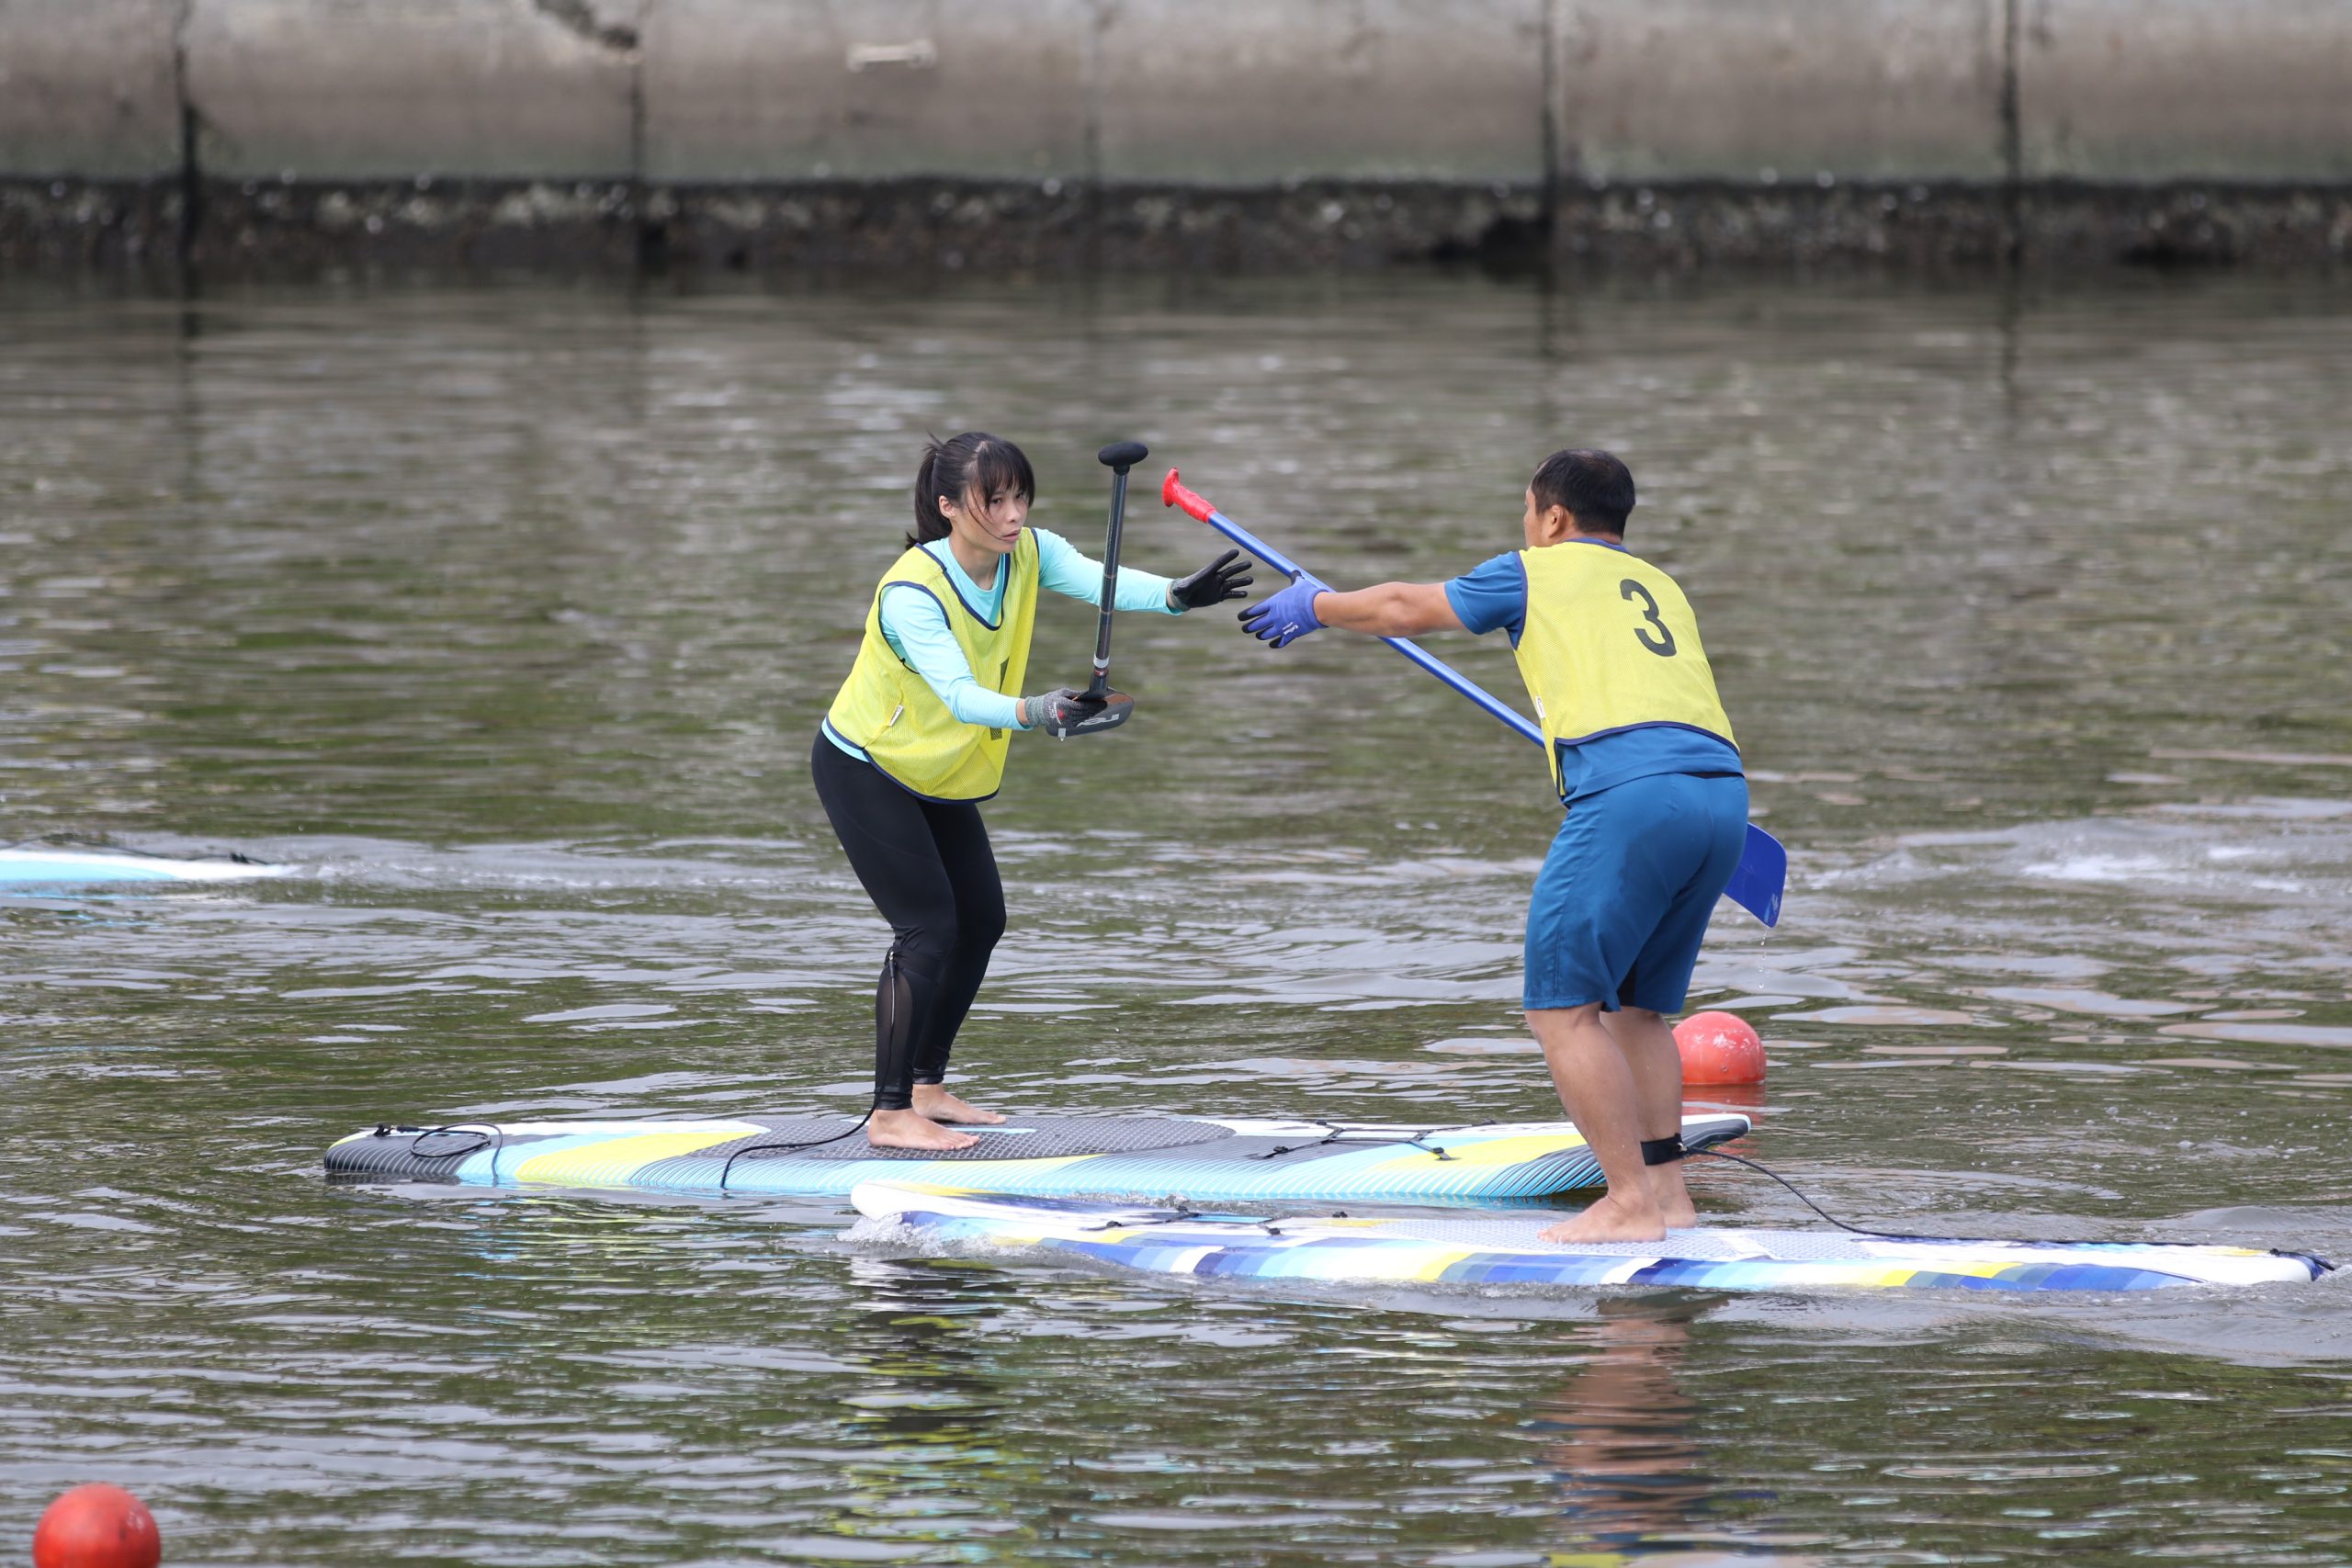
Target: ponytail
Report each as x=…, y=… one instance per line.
x=974, y=463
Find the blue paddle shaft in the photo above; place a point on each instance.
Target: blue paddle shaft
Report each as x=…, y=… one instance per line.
x=1762, y=874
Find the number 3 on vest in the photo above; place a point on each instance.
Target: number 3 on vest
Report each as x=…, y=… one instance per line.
x=1663, y=644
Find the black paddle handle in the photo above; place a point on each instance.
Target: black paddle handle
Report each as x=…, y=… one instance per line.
x=1118, y=456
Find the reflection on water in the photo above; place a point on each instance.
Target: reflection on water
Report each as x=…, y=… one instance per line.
x=504, y=615
x=1626, y=1446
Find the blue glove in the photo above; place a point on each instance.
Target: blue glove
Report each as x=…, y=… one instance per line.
x=1289, y=614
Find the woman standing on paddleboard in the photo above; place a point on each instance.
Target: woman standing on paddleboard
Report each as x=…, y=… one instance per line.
x=917, y=738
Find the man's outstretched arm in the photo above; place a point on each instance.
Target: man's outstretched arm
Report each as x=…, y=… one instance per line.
x=1385, y=609
x=1390, y=609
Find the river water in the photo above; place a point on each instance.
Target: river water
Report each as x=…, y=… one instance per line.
x=504, y=614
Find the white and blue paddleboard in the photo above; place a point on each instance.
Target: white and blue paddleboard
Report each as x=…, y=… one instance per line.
x=1502, y=1248
x=1193, y=1158
x=35, y=866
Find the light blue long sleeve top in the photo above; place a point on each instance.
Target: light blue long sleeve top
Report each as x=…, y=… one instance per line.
x=915, y=626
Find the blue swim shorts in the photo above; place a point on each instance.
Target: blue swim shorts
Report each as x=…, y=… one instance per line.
x=1622, y=903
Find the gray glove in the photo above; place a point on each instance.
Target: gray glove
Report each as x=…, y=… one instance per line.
x=1060, y=713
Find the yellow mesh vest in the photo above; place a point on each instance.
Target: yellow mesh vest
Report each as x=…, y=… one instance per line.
x=1611, y=644
x=892, y=713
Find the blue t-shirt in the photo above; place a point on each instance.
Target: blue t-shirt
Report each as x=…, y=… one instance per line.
x=1492, y=596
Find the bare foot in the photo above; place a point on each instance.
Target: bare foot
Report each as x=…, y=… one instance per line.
x=935, y=1102
x=1612, y=1218
x=913, y=1130
x=1672, y=1197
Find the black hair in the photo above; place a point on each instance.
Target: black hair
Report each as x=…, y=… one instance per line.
x=1594, y=486
x=972, y=463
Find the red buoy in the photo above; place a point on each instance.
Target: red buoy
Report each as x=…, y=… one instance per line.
x=97, y=1526
x=1719, y=1048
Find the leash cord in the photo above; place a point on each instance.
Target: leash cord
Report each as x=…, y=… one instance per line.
x=1914, y=1235
x=889, y=1031
x=857, y=1127
x=1776, y=1176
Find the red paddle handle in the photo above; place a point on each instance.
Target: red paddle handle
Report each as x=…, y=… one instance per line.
x=1173, y=493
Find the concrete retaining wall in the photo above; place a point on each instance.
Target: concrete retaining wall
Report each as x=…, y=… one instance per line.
x=362, y=89
x=2148, y=90
x=1734, y=90
x=783, y=91
x=749, y=129
x=89, y=89
x=1242, y=93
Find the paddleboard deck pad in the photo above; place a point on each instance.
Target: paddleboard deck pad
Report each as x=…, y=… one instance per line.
x=1197, y=1159
x=1502, y=1249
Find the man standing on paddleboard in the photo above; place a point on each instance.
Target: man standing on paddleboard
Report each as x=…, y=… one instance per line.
x=1657, y=808
x=917, y=738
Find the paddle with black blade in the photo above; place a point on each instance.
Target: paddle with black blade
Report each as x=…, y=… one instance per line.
x=1114, y=707
x=1763, y=871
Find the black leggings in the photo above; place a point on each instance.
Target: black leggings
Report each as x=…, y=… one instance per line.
x=928, y=867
